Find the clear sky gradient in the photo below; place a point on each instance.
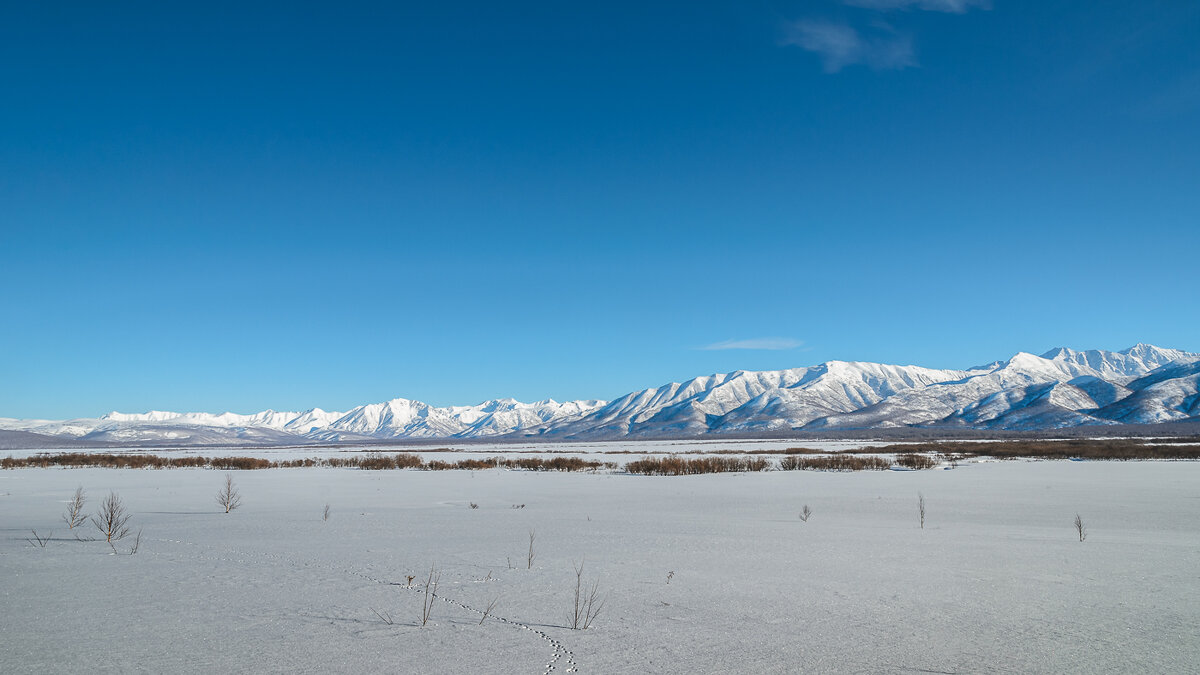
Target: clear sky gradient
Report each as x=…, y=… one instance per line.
x=210, y=206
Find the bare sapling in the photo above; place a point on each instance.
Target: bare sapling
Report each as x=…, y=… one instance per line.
x=325, y=514
x=1080, y=529
x=74, y=517
x=588, y=602
x=40, y=541
x=529, y=559
x=488, y=612
x=229, y=498
x=431, y=585
x=112, y=520
x=805, y=513
x=921, y=508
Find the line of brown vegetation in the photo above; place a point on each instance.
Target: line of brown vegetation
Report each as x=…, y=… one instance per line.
x=1115, y=449
x=835, y=463
x=912, y=460
x=376, y=461
x=674, y=465
x=370, y=461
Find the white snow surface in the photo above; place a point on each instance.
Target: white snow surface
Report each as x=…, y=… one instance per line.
x=1061, y=388
x=700, y=574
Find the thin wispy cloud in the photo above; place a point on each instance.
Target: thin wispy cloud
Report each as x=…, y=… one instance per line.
x=840, y=45
x=870, y=42
x=952, y=6
x=765, y=343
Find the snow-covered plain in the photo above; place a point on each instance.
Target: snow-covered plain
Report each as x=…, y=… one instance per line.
x=710, y=574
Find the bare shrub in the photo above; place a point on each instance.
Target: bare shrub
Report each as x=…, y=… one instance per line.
x=912, y=460
x=386, y=617
x=431, y=585
x=40, y=541
x=240, y=463
x=113, y=519
x=229, y=498
x=475, y=464
x=921, y=508
x=406, y=460
x=74, y=517
x=839, y=462
x=588, y=602
x=805, y=513
x=474, y=505
x=670, y=576
x=325, y=514
x=529, y=558
x=674, y=465
x=1080, y=529
x=552, y=464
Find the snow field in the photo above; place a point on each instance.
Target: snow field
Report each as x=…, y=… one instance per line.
x=996, y=582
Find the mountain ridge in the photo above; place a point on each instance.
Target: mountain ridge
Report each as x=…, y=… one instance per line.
x=1061, y=388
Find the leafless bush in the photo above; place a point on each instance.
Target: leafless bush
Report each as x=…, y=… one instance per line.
x=588, y=602
x=375, y=462
x=474, y=505
x=386, y=617
x=74, y=516
x=1079, y=528
x=552, y=464
x=229, y=498
x=921, y=508
x=431, y=585
x=112, y=520
x=241, y=463
x=487, y=612
x=839, y=462
x=912, y=460
x=805, y=513
x=325, y=514
x=529, y=559
x=674, y=465
x=40, y=541
x=670, y=576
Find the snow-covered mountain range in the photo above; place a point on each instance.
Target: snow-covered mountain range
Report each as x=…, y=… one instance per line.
x=1061, y=388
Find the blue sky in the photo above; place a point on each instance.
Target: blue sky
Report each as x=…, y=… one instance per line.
x=219, y=207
